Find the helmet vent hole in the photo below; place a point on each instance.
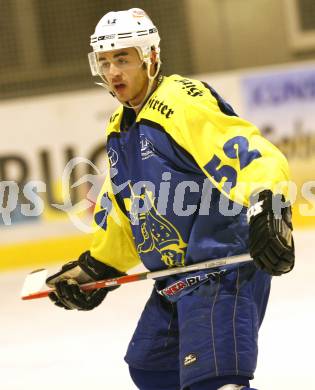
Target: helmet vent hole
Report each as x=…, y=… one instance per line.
x=112, y=45
x=101, y=46
x=139, y=23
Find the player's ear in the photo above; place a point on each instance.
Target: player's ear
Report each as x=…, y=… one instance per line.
x=153, y=56
x=154, y=61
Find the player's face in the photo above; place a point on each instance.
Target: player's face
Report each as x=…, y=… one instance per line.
x=125, y=74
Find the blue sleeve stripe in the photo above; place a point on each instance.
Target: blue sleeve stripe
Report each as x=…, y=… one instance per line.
x=223, y=105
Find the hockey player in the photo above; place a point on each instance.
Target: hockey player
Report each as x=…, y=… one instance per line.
x=185, y=171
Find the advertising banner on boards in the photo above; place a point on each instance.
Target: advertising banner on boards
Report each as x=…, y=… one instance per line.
x=45, y=209
x=281, y=103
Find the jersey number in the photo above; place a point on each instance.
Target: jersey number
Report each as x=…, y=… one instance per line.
x=242, y=153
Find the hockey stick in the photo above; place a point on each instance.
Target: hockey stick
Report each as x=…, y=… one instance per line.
x=35, y=280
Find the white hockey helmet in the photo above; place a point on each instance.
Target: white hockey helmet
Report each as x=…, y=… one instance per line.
x=123, y=29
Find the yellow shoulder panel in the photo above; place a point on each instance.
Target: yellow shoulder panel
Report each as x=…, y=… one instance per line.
x=229, y=150
x=114, y=121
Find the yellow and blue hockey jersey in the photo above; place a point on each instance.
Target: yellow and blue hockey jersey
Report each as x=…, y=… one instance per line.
x=182, y=172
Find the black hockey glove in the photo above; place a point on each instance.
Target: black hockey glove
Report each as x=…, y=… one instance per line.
x=84, y=270
x=271, y=243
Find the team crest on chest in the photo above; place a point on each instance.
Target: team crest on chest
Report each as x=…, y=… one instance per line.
x=158, y=234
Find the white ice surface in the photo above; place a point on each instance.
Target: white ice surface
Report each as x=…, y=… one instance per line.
x=44, y=347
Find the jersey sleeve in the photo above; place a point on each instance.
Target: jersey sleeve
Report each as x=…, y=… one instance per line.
x=229, y=150
x=112, y=239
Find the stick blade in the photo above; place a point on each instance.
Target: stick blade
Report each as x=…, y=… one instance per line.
x=34, y=282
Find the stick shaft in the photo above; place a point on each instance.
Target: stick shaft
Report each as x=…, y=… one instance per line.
x=208, y=264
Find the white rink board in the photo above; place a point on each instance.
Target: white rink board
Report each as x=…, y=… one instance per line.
x=43, y=347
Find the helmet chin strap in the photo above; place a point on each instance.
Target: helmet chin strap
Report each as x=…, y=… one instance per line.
x=149, y=87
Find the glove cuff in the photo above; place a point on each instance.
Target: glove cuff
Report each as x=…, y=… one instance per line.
x=96, y=269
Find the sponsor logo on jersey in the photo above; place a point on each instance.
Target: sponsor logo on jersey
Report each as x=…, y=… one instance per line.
x=113, y=157
x=147, y=148
x=190, y=88
x=158, y=105
x=190, y=359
